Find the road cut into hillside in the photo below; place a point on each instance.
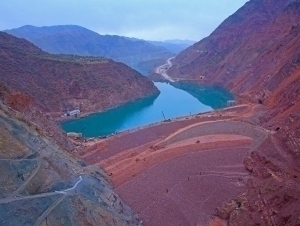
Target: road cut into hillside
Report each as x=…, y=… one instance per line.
x=178, y=173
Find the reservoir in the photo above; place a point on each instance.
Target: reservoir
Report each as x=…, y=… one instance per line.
x=176, y=100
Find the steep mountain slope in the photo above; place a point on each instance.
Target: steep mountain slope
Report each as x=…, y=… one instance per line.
x=41, y=183
x=210, y=53
x=256, y=54
x=61, y=82
x=71, y=39
x=26, y=110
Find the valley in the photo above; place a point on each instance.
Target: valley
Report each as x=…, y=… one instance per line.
x=210, y=137
x=71, y=39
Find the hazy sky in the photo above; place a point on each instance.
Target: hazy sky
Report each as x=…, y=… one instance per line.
x=146, y=19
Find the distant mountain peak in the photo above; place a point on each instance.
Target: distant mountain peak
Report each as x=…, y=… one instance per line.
x=74, y=39
x=180, y=41
x=175, y=45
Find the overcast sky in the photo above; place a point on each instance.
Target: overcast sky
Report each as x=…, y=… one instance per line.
x=146, y=19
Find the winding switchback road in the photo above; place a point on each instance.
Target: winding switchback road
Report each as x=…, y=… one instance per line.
x=17, y=197
x=162, y=70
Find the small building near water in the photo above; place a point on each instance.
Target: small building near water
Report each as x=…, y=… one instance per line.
x=231, y=103
x=74, y=135
x=73, y=112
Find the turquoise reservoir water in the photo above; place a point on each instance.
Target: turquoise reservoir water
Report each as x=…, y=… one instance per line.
x=173, y=101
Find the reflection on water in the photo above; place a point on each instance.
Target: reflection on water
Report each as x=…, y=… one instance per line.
x=212, y=96
x=173, y=101
x=109, y=121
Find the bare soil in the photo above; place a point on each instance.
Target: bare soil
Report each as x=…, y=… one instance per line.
x=179, y=173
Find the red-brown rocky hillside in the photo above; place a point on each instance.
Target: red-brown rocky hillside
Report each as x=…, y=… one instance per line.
x=255, y=53
x=22, y=107
x=61, y=82
x=41, y=183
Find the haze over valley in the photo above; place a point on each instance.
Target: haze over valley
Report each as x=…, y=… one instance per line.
x=150, y=113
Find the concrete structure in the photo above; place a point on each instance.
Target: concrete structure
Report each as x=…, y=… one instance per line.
x=73, y=112
x=74, y=135
x=231, y=103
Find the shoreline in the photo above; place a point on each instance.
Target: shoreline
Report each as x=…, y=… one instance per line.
x=61, y=120
x=208, y=114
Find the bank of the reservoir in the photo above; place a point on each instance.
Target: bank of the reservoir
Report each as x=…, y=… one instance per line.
x=174, y=101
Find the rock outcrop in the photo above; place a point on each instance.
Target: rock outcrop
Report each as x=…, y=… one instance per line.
x=58, y=83
x=72, y=39
x=41, y=183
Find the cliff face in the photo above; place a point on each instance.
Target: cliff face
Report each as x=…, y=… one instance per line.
x=61, y=82
x=41, y=183
x=71, y=39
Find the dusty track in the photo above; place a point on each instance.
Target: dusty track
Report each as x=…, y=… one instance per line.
x=128, y=164
x=181, y=170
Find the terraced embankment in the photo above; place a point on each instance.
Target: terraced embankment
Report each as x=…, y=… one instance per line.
x=178, y=173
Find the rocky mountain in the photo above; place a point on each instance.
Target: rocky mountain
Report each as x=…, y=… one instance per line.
x=174, y=46
x=248, y=52
x=41, y=183
x=58, y=83
x=71, y=39
x=255, y=53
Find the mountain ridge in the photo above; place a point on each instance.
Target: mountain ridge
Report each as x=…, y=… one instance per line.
x=58, y=83
x=228, y=62
x=74, y=39
x=175, y=46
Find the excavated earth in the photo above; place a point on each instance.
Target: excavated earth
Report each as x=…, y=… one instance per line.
x=183, y=172
x=255, y=53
